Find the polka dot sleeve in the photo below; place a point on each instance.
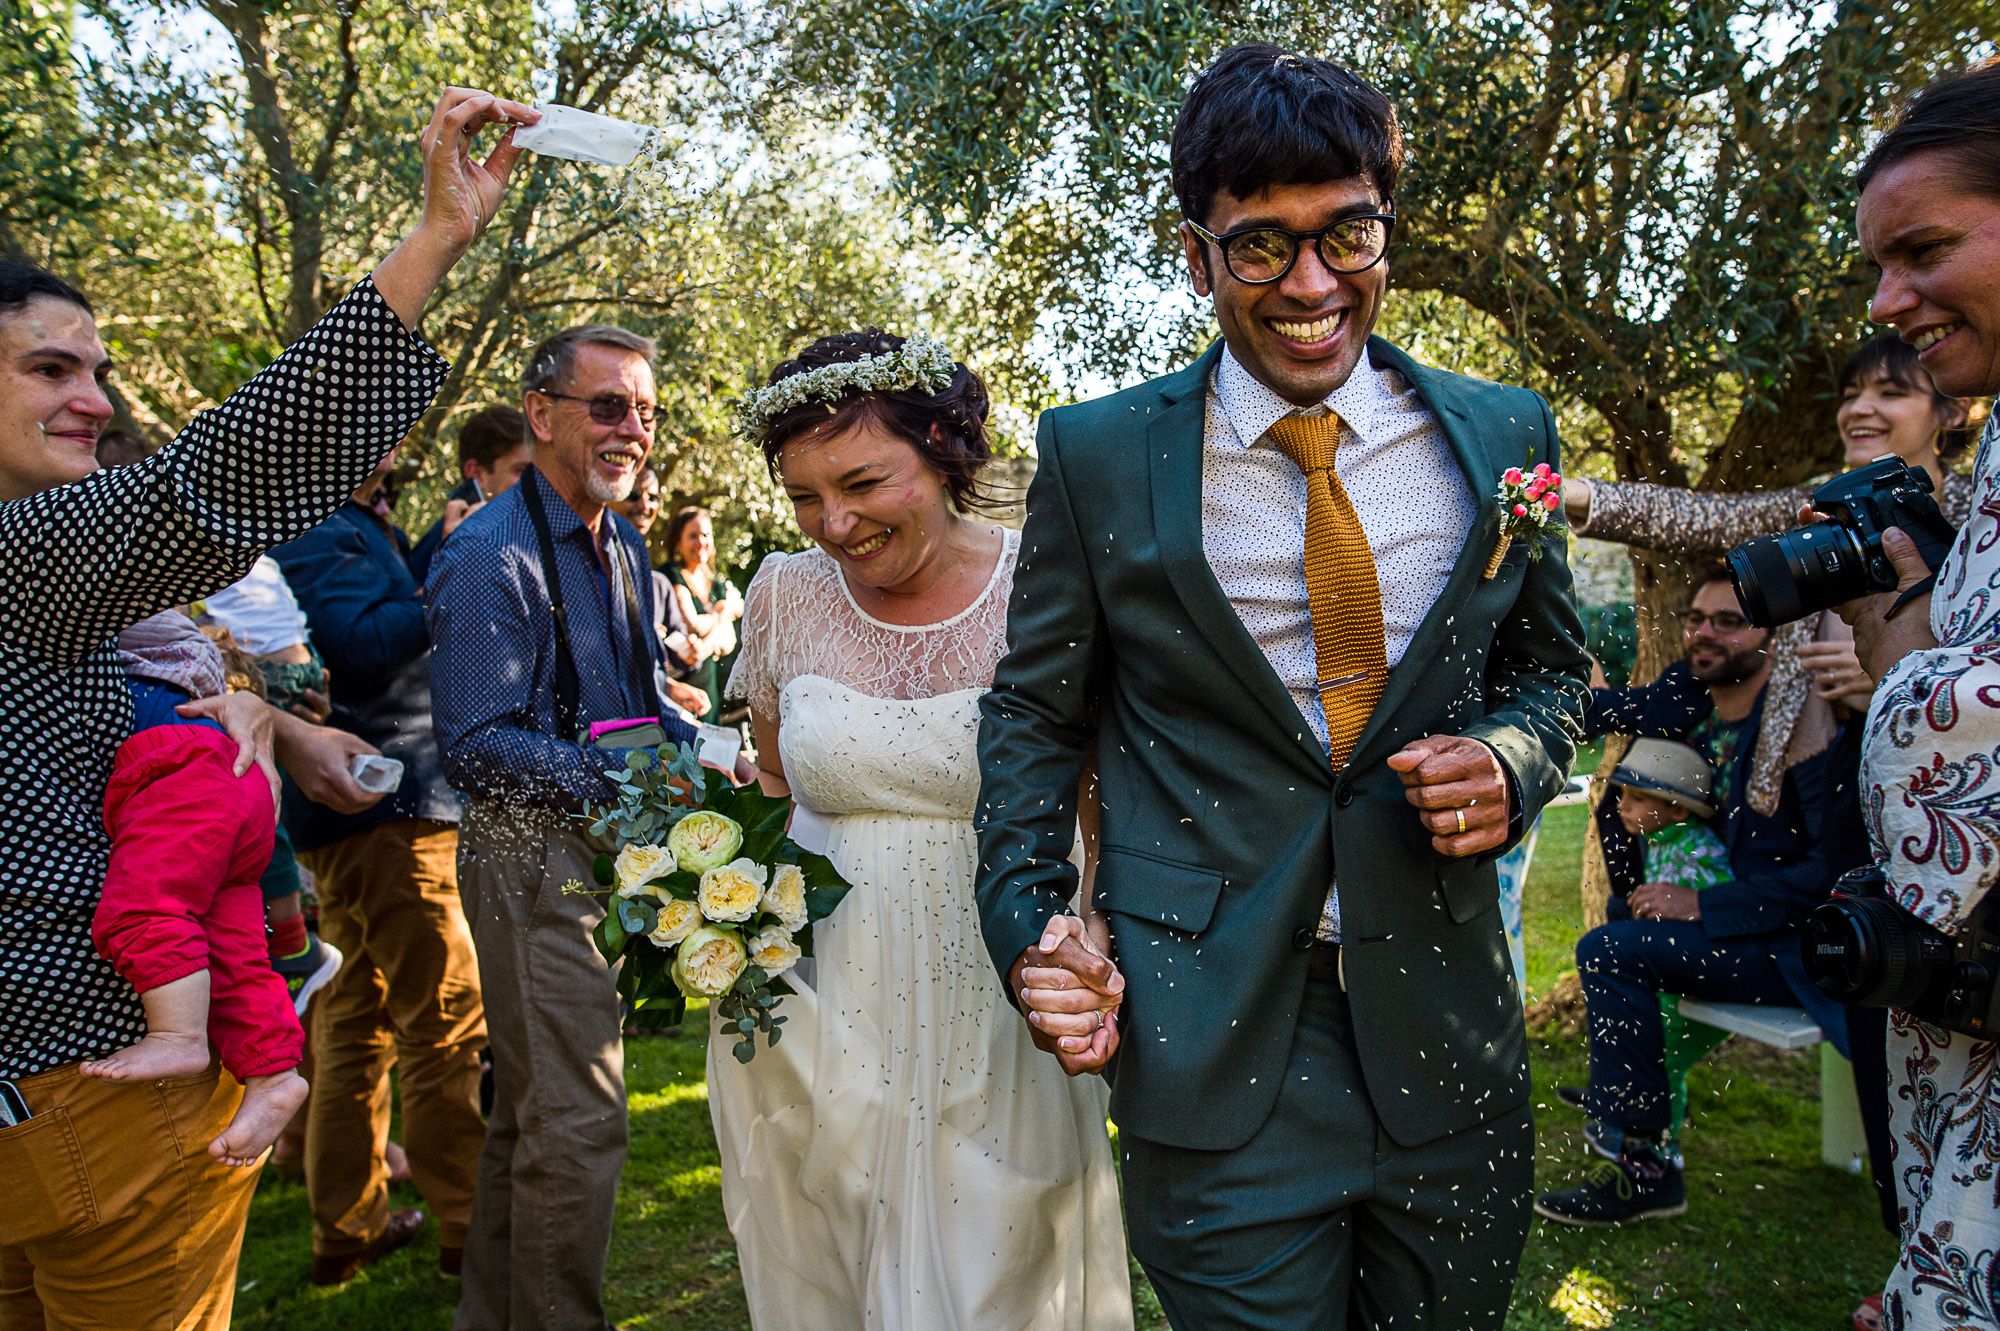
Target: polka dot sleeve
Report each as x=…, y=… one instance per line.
x=86, y=560
x=267, y=465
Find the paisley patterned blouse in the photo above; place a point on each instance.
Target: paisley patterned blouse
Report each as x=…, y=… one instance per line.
x=1930, y=782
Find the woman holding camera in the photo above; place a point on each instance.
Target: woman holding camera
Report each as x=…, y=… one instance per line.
x=1888, y=405
x=1929, y=218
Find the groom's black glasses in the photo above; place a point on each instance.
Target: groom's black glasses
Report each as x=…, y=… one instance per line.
x=608, y=408
x=1259, y=255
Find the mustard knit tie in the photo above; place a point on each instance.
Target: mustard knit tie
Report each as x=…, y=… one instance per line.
x=1353, y=657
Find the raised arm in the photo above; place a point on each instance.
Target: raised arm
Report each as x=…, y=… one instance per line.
x=88, y=559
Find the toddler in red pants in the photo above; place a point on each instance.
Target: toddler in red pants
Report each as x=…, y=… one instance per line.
x=182, y=916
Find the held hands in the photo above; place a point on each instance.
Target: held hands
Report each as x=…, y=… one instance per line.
x=1837, y=674
x=1462, y=789
x=1070, y=991
x=1664, y=901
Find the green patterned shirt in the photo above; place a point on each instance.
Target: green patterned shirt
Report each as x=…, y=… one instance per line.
x=1687, y=854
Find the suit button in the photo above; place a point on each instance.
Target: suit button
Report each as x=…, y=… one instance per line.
x=1343, y=794
x=1302, y=941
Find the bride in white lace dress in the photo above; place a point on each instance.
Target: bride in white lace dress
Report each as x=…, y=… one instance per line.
x=904, y=1159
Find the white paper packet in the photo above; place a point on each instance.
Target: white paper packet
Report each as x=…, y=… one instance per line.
x=375, y=774
x=582, y=136
x=719, y=747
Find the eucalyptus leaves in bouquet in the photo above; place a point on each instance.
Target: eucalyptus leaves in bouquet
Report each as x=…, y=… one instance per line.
x=707, y=896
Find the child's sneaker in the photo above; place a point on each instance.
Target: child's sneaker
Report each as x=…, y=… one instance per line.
x=306, y=973
x=1643, y=1183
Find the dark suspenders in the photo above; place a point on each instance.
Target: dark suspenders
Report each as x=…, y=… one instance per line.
x=638, y=661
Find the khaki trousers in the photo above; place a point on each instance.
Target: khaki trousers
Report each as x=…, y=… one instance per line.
x=407, y=994
x=541, y=1227
x=113, y=1217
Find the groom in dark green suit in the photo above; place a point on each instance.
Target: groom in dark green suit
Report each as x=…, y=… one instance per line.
x=1262, y=594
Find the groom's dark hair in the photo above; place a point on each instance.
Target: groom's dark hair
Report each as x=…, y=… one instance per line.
x=1260, y=116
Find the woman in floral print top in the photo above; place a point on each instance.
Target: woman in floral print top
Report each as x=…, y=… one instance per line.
x=1888, y=405
x=1929, y=218
x=91, y=1166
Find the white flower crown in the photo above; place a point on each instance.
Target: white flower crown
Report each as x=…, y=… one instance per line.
x=919, y=362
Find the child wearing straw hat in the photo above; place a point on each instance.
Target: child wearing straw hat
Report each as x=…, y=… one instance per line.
x=1664, y=796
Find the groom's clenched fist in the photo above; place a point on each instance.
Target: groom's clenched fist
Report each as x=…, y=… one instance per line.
x=1461, y=788
x=1069, y=991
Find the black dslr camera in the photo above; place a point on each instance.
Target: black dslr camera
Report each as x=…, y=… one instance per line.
x=1864, y=950
x=1788, y=576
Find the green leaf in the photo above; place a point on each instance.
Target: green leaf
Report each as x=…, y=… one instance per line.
x=680, y=883
x=601, y=870
x=609, y=936
x=745, y=1050
x=637, y=914
x=671, y=1006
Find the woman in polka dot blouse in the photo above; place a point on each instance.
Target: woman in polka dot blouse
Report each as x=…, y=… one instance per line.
x=115, y=1214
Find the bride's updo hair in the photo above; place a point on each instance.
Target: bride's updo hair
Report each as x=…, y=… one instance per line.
x=947, y=428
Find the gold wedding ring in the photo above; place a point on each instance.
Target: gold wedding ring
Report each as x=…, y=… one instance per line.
x=1461, y=818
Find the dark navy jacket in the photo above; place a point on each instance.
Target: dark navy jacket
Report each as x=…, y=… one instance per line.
x=426, y=548
x=1780, y=865
x=353, y=581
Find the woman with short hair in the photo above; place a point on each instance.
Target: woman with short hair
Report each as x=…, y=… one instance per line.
x=115, y=1214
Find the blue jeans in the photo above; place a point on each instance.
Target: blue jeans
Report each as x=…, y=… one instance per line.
x=1625, y=966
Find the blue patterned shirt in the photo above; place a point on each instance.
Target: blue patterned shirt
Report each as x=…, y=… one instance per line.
x=493, y=655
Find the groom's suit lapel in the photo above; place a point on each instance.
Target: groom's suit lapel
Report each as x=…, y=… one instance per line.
x=1175, y=436
x=1434, y=636
x=1174, y=446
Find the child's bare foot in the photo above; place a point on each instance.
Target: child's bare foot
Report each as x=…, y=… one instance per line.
x=268, y=1105
x=158, y=1054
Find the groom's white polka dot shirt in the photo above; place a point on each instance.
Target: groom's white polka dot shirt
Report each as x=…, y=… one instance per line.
x=1407, y=489
x=86, y=560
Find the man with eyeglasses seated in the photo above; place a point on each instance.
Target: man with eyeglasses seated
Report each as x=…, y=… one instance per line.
x=1737, y=942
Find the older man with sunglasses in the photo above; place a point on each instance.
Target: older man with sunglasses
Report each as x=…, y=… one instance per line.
x=1737, y=942
x=541, y=612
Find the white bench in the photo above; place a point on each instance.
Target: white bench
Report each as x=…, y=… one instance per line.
x=1842, y=1143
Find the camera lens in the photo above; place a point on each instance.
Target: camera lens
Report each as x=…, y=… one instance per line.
x=1867, y=952
x=1788, y=576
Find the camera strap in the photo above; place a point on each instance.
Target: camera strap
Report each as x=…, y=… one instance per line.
x=1923, y=588
x=566, y=683
x=639, y=661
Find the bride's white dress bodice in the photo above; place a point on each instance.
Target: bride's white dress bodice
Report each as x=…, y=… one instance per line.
x=845, y=752
x=873, y=717
x=906, y=1160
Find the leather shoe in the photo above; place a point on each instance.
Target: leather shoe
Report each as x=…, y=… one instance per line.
x=451, y=1261
x=402, y=1227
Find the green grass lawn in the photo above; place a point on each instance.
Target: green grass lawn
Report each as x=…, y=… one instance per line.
x=1772, y=1240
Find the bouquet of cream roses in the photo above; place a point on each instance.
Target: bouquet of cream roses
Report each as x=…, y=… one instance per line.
x=707, y=896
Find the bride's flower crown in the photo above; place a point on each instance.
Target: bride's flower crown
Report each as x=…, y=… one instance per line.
x=919, y=363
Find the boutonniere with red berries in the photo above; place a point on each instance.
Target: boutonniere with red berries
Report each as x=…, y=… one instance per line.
x=1530, y=509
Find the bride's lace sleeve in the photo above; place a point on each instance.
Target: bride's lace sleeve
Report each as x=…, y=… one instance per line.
x=756, y=678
